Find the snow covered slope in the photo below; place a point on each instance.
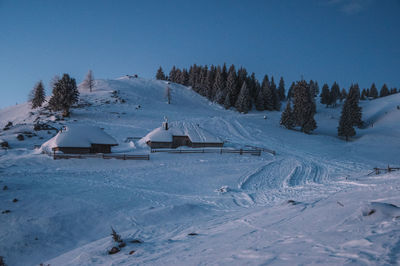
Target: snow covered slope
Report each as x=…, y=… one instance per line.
x=312, y=203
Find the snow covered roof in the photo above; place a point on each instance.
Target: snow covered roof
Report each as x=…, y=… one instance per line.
x=81, y=136
x=195, y=133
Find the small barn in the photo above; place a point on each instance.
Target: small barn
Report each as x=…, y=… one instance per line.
x=179, y=134
x=80, y=139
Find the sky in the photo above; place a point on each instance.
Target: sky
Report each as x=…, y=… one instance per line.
x=346, y=41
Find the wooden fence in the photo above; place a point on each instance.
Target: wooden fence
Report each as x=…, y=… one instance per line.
x=262, y=149
x=220, y=151
x=389, y=169
x=101, y=156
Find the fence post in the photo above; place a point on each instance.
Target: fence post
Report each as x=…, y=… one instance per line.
x=241, y=151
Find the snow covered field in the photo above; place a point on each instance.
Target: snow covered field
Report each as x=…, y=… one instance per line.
x=312, y=203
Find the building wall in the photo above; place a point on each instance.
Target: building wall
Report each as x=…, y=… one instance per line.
x=95, y=148
x=156, y=145
x=178, y=141
x=100, y=148
x=72, y=150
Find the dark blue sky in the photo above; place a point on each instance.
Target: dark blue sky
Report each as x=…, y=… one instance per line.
x=326, y=40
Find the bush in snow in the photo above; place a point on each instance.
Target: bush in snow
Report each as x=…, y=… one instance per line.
x=65, y=94
x=20, y=137
x=8, y=126
x=4, y=144
x=116, y=237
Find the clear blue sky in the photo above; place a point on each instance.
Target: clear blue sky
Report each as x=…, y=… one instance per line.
x=325, y=40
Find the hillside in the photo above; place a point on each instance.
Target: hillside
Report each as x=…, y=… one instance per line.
x=309, y=204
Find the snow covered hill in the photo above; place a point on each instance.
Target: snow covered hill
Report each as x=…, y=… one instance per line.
x=312, y=203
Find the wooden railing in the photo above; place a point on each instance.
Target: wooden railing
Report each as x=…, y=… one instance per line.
x=240, y=151
x=101, y=156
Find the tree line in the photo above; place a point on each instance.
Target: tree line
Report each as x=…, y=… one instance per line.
x=230, y=87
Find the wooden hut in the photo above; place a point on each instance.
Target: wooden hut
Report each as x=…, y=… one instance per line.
x=79, y=140
x=181, y=134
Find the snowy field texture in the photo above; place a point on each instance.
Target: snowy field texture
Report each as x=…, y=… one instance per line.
x=312, y=203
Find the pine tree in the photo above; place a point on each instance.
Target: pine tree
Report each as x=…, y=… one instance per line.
x=343, y=95
x=172, y=74
x=269, y=97
x=304, y=107
x=218, y=83
x=242, y=103
x=345, y=128
x=275, y=95
x=373, y=91
x=291, y=91
x=227, y=101
x=281, y=90
x=38, y=95
x=160, y=74
x=88, y=83
x=363, y=95
x=355, y=110
x=287, y=119
x=65, y=94
x=325, y=95
x=231, y=84
x=334, y=94
x=384, y=91
x=260, y=101
x=220, y=96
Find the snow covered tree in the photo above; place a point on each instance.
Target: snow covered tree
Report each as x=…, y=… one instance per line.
x=281, y=90
x=345, y=128
x=373, y=91
x=218, y=83
x=287, y=118
x=304, y=107
x=227, y=101
x=65, y=94
x=384, y=91
x=220, y=96
x=160, y=74
x=325, y=95
x=243, y=101
x=38, y=95
x=88, y=82
x=231, y=84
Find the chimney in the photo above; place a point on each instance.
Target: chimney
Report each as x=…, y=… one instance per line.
x=165, y=123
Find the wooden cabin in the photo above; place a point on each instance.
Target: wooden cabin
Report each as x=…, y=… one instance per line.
x=181, y=134
x=80, y=139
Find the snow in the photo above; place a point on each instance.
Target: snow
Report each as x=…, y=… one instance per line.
x=312, y=203
x=195, y=133
x=82, y=136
